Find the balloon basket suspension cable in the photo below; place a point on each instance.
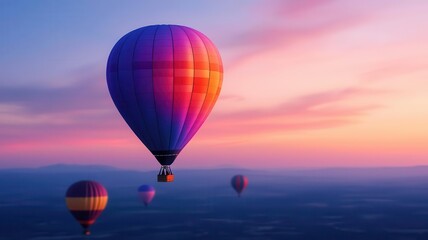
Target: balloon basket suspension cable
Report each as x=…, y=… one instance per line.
x=165, y=174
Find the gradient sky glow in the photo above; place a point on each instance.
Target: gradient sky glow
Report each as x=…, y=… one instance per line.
x=307, y=83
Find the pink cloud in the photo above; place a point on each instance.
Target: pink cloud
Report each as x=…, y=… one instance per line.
x=84, y=94
x=298, y=8
x=231, y=97
x=43, y=118
x=306, y=104
x=313, y=111
x=101, y=123
x=390, y=70
x=294, y=22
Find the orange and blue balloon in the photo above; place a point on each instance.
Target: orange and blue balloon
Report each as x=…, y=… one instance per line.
x=146, y=194
x=239, y=183
x=164, y=80
x=86, y=200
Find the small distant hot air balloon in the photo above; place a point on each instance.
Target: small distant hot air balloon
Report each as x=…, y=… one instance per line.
x=164, y=80
x=146, y=193
x=86, y=200
x=239, y=183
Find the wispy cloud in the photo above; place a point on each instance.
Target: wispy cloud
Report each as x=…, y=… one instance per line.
x=312, y=111
x=231, y=97
x=84, y=94
x=83, y=112
x=389, y=70
x=293, y=22
x=80, y=114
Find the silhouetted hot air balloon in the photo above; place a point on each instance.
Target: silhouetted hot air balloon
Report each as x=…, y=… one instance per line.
x=164, y=80
x=86, y=200
x=146, y=193
x=239, y=183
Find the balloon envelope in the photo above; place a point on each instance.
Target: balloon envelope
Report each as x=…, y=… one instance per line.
x=164, y=80
x=239, y=183
x=146, y=193
x=86, y=200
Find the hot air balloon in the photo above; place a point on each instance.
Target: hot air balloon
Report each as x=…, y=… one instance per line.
x=146, y=193
x=86, y=200
x=239, y=183
x=164, y=80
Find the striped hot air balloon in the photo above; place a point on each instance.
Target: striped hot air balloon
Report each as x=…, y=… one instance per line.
x=164, y=80
x=146, y=194
x=86, y=200
x=239, y=183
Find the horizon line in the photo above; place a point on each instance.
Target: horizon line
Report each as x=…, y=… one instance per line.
x=215, y=167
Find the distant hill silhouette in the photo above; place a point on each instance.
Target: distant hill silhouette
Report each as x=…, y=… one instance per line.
x=76, y=168
x=58, y=168
x=320, y=173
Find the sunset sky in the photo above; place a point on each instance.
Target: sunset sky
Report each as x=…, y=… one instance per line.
x=307, y=83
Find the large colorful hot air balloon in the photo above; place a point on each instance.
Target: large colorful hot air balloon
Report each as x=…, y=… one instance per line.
x=146, y=193
x=164, y=80
x=86, y=200
x=239, y=183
